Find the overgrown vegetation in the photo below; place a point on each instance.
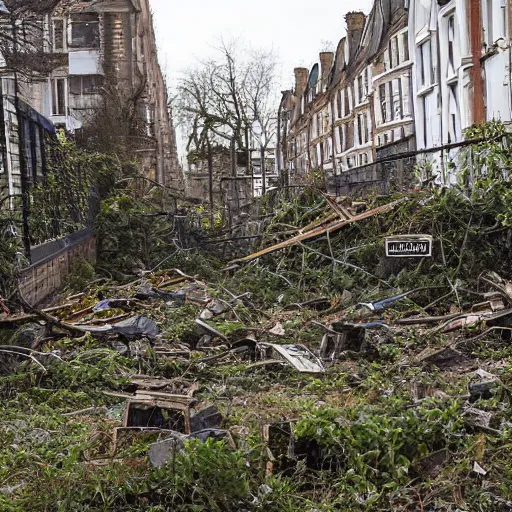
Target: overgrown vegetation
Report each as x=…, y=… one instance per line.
x=387, y=427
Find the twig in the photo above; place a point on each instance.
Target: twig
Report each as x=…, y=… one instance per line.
x=50, y=319
x=498, y=287
x=344, y=263
x=31, y=351
x=280, y=276
x=24, y=355
x=438, y=300
x=483, y=335
x=464, y=243
x=83, y=411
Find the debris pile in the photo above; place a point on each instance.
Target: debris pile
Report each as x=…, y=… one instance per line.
x=315, y=371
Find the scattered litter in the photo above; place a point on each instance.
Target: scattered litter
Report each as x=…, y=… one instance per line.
x=163, y=452
x=300, y=357
x=277, y=330
x=210, y=330
x=479, y=470
x=136, y=327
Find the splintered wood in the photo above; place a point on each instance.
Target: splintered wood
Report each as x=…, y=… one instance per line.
x=318, y=231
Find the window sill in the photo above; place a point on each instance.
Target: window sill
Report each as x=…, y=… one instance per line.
x=452, y=80
x=401, y=67
x=395, y=123
x=426, y=90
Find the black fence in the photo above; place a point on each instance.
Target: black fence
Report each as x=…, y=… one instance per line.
x=460, y=163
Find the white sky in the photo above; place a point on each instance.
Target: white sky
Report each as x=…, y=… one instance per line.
x=186, y=30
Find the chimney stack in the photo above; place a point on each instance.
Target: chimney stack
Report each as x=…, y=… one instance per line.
x=326, y=60
x=301, y=80
x=355, y=26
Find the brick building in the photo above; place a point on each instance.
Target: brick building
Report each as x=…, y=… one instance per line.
x=405, y=80
x=356, y=103
x=99, y=45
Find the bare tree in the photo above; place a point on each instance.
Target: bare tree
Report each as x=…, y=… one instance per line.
x=225, y=98
x=262, y=101
x=22, y=37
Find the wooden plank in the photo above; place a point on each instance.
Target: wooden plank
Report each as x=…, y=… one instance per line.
x=314, y=233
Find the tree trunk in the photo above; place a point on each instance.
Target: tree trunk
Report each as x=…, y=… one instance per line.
x=263, y=171
x=210, y=179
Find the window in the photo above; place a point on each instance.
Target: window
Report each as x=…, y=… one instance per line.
x=347, y=103
x=394, y=57
x=495, y=25
x=59, y=97
x=405, y=43
x=454, y=125
x=360, y=90
x=362, y=129
x=340, y=139
x=320, y=123
x=396, y=98
x=339, y=100
x=383, y=103
x=427, y=71
x=58, y=34
x=363, y=159
x=85, y=31
x=85, y=84
x=387, y=66
x=451, y=40
x=327, y=150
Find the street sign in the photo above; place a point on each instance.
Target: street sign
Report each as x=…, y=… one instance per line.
x=409, y=246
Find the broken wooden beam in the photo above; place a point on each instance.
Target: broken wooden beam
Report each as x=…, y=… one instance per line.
x=314, y=233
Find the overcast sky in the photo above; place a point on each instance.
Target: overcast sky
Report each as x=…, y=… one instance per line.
x=297, y=30
x=187, y=29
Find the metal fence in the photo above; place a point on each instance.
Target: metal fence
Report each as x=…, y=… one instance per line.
x=460, y=163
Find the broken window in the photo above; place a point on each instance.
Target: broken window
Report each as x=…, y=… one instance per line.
x=85, y=84
x=59, y=97
x=85, y=31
